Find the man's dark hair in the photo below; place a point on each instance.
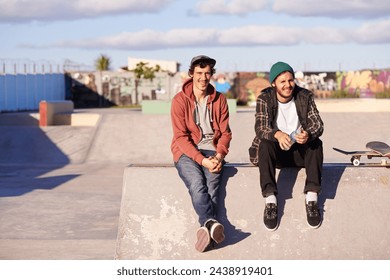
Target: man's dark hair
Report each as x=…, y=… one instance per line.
x=201, y=64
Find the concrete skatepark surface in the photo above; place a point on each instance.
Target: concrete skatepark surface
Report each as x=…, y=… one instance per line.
x=110, y=191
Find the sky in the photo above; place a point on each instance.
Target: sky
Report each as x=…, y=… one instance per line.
x=242, y=35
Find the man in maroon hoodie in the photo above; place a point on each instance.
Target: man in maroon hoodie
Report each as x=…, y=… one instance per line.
x=201, y=139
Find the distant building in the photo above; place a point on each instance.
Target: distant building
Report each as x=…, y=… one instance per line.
x=165, y=65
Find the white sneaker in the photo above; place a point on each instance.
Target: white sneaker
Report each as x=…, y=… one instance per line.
x=217, y=232
x=203, y=239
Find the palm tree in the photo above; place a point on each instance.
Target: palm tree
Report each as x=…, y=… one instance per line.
x=103, y=63
x=142, y=71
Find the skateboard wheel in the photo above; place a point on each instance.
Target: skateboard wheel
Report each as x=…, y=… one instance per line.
x=356, y=162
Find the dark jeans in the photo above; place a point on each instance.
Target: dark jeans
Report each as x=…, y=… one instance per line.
x=202, y=186
x=308, y=156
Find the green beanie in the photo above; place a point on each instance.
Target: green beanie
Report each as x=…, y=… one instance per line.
x=277, y=69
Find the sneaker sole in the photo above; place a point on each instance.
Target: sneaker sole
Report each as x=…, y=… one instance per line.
x=203, y=239
x=313, y=227
x=217, y=233
x=271, y=229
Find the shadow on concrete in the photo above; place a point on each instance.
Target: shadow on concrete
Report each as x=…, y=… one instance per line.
x=26, y=155
x=331, y=177
x=287, y=178
x=285, y=182
x=11, y=183
x=233, y=235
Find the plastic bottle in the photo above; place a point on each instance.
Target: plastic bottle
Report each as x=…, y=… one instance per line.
x=294, y=133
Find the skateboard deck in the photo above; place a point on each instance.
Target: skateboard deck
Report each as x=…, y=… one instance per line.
x=375, y=149
x=382, y=148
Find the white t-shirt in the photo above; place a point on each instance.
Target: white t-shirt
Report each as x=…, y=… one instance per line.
x=287, y=119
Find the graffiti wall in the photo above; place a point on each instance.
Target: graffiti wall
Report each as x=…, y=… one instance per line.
x=101, y=89
x=246, y=86
x=367, y=83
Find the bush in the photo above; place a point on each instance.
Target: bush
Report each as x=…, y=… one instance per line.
x=385, y=94
x=341, y=94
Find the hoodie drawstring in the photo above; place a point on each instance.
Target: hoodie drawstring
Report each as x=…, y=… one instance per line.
x=197, y=118
x=211, y=112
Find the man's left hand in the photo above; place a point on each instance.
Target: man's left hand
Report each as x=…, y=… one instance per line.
x=302, y=137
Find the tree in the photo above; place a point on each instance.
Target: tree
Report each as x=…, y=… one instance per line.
x=103, y=63
x=142, y=71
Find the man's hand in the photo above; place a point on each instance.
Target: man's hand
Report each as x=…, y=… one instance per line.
x=284, y=140
x=210, y=163
x=219, y=165
x=302, y=137
x=213, y=163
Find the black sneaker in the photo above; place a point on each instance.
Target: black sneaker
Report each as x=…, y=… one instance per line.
x=313, y=214
x=271, y=216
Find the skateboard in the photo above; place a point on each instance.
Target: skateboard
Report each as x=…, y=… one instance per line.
x=375, y=149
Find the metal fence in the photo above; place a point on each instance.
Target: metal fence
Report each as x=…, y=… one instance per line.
x=23, y=83
x=22, y=92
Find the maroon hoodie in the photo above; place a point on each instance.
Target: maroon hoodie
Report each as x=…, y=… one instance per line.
x=187, y=134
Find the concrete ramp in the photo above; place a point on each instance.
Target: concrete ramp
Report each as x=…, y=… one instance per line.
x=131, y=137
x=49, y=145
x=71, y=176
x=157, y=220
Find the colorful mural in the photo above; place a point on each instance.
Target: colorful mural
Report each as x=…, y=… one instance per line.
x=367, y=83
x=101, y=89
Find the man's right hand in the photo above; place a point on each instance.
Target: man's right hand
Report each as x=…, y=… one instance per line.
x=212, y=164
x=284, y=140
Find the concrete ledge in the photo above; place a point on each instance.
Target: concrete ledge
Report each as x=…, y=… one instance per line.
x=75, y=119
x=157, y=220
x=156, y=107
x=61, y=113
x=350, y=105
x=232, y=103
x=48, y=110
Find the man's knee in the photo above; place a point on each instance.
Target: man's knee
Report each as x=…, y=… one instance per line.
x=316, y=144
x=266, y=146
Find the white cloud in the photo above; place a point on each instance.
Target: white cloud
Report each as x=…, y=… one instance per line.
x=45, y=10
x=148, y=40
x=373, y=32
x=233, y=7
x=334, y=8
x=327, y=35
x=252, y=35
x=24, y=11
x=259, y=35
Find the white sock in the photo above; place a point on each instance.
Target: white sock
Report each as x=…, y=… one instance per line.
x=271, y=199
x=311, y=196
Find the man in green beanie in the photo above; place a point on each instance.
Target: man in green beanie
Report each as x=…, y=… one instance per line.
x=288, y=127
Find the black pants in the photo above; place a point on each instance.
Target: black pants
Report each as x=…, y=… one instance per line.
x=308, y=156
